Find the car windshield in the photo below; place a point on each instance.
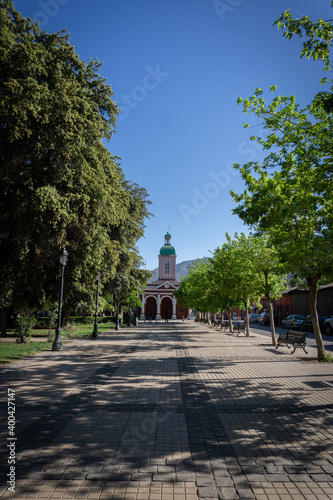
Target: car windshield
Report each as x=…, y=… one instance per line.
x=299, y=317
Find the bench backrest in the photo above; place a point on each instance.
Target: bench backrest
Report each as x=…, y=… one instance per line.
x=291, y=334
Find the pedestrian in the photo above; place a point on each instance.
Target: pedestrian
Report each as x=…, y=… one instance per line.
x=166, y=317
x=150, y=318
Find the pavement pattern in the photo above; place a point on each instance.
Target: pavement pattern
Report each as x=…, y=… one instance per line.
x=168, y=411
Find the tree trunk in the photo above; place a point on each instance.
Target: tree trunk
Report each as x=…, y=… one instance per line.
x=214, y=318
x=3, y=321
x=314, y=316
x=65, y=318
x=247, y=321
x=271, y=320
x=230, y=321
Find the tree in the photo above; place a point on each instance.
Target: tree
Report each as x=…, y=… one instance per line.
x=236, y=260
x=272, y=280
x=220, y=278
x=289, y=197
x=319, y=37
x=194, y=290
x=59, y=185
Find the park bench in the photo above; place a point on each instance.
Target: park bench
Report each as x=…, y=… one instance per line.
x=240, y=327
x=296, y=339
x=225, y=325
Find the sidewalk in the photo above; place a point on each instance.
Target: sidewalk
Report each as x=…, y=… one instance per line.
x=169, y=411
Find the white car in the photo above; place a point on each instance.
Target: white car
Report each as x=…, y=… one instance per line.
x=293, y=321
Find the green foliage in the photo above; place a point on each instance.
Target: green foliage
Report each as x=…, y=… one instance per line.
x=59, y=185
x=243, y=269
x=24, y=326
x=319, y=35
x=328, y=358
x=289, y=196
x=195, y=290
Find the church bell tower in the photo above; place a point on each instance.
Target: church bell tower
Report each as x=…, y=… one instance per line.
x=167, y=260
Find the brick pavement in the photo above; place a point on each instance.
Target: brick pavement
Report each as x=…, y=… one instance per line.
x=175, y=411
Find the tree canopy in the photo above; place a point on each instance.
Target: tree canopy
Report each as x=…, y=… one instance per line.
x=243, y=270
x=59, y=185
x=288, y=196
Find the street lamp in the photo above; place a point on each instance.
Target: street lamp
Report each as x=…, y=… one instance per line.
x=57, y=346
x=129, y=311
x=118, y=287
x=98, y=279
x=136, y=308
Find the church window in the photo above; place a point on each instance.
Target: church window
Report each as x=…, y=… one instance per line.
x=167, y=267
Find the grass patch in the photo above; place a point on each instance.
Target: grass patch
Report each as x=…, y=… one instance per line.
x=10, y=351
x=74, y=331
x=81, y=331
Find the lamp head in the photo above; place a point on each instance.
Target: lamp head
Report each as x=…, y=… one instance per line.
x=63, y=257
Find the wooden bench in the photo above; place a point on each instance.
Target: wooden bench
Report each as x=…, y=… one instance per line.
x=296, y=339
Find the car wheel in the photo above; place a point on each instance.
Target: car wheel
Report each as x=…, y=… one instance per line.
x=328, y=329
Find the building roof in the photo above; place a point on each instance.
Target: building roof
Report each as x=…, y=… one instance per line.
x=167, y=249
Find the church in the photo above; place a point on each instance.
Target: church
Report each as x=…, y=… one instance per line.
x=158, y=301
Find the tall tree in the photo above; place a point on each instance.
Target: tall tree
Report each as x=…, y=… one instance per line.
x=289, y=196
x=236, y=261
x=272, y=280
x=195, y=290
x=59, y=185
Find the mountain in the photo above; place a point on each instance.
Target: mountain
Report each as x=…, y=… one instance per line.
x=181, y=269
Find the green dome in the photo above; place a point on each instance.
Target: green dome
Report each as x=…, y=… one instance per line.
x=167, y=249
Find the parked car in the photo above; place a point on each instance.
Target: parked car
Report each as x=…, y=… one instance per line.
x=293, y=321
x=263, y=318
x=307, y=323
x=328, y=326
x=253, y=317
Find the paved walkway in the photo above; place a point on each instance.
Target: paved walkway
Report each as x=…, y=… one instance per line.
x=173, y=411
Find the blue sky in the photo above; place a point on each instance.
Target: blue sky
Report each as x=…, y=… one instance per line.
x=177, y=68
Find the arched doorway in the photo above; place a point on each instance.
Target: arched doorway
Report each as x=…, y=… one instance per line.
x=166, y=307
x=150, y=307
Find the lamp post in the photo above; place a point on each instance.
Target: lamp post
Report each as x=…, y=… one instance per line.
x=98, y=279
x=136, y=308
x=118, y=287
x=129, y=311
x=57, y=346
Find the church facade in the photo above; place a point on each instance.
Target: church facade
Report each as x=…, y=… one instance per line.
x=158, y=300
